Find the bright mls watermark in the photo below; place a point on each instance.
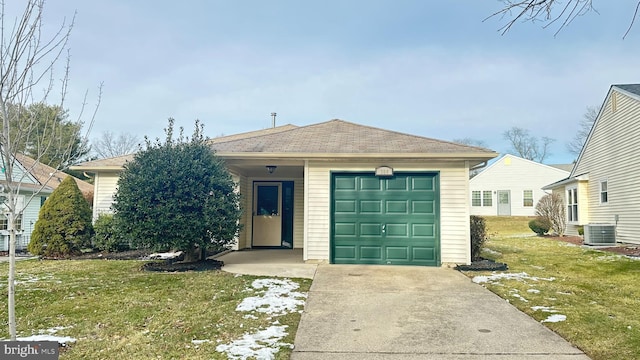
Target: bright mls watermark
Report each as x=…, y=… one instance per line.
x=33, y=350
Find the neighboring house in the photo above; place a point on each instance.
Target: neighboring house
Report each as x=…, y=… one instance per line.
x=343, y=192
x=603, y=187
x=511, y=186
x=37, y=182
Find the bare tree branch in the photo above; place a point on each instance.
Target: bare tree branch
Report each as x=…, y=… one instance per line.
x=589, y=117
x=548, y=11
x=527, y=146
x=109, y=145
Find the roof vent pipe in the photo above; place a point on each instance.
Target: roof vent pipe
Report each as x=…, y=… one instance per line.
x=273, y=120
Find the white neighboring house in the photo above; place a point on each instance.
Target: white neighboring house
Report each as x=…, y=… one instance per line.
x=511, y=186
x=603, y=187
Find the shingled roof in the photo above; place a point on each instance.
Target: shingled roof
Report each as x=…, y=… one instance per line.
x=342, y=137
x=632, y=88
x=48, y=176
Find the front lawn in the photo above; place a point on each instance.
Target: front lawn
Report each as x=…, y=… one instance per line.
x=113, y=310
x=589, y=297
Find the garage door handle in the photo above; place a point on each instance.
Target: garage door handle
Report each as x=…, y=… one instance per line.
x=384, y=228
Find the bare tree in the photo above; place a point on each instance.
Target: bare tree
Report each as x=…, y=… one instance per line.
x=550, y=12
x=589, y=117
x=470, y=141
x=28, y=64
x=109, y=145
x=528, y=146
x=551, y=208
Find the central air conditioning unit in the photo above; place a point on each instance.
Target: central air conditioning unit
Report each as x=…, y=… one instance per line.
x=599, y=234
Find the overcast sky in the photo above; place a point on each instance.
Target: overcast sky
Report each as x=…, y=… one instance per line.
x=424, y=67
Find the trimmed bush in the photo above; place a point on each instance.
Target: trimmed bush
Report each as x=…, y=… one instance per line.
x=581, y=230
x=540, y=225
x=64, y=223
x=478, y=235
x=107, y=235
x=177, y=195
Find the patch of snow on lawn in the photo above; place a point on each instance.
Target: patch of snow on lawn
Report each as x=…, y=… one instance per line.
x=198, y=342
x=515, y=294
x=507, y=276
x=49, y=336
x=492, y=252
x=276, y=297
x=555, y=318
x=544, y=309
x=533, y=291
x=165, y=256
x=263, y=344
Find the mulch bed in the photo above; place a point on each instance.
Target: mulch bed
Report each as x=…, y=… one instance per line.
x=483, y=265
x=178, y=266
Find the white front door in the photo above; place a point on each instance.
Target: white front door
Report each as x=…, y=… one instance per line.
x=267, y=214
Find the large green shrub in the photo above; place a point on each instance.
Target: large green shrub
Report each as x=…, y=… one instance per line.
x=108, y=236
x=478, y=235
x=178, y=195
x=540, y=225
x=64, y=223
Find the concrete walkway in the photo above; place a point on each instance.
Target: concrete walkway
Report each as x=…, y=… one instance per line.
x=397, y=312
x=277, y=262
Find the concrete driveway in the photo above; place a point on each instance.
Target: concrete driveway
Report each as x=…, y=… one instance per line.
x=397, y=312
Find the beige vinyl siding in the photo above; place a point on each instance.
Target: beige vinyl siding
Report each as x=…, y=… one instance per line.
x=517, y=175
x=454, y=205
x=612, y=154
x=105, y=185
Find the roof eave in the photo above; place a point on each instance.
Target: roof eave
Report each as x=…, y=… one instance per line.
x=96, y=168
x=448, y=156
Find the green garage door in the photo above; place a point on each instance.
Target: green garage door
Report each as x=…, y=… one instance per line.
x=379, y=220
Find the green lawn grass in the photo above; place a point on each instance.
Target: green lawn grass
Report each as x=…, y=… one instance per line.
x=114, y=310
x=508, y=225
x=599, y=292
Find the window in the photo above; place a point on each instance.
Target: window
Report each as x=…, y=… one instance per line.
x=527, y=198
x=4, y=223
x=487, y=200
x=475, y=198
x=481, y=198
x=604, y=194
x=572, y=204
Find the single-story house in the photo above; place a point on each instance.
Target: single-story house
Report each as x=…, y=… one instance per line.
x=343, y=192
x=601, y=188
x=511, y=186
x=37, y=182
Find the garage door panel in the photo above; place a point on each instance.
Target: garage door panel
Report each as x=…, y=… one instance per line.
x=345, y=229
x=385, y=220
x=401, y=230
x=370, y=229
x=345, y=207
x=395, y=184
x=423, y=230
x=371, y=253
x=423, y=183
x=345, y=252
x=424, y=254
x=397, y=207
x=371, y=206
x=368, y=183
x=423, y=207
x=345, y=183
x=397, y=253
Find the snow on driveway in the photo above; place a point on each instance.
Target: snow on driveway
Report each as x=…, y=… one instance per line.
x=274, y=297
